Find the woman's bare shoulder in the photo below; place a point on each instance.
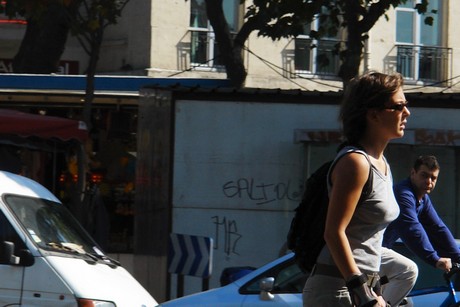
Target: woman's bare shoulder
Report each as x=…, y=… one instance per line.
x=353, y=165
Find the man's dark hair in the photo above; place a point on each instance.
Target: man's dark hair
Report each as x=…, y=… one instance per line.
x=429, y=161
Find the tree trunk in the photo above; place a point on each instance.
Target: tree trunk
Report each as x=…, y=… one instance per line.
x=351, y=61
x=231, y=53
x=90, y=78
x=43, y=43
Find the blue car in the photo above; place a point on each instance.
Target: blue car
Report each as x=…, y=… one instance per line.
x=280, y=283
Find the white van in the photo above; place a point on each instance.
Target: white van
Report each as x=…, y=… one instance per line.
x=47, y=259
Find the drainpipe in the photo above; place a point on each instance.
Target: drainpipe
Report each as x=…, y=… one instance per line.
x=367, y=54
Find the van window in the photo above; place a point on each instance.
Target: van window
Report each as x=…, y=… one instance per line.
x=8, y=233
x=50, y=225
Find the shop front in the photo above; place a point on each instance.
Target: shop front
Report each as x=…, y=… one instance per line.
x=55, y=149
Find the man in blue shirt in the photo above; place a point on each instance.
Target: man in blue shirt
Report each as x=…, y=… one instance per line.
x=418, y=224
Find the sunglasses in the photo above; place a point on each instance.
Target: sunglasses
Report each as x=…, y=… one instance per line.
x=397, y=107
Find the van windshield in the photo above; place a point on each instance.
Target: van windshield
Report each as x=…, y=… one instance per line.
x=50, y=225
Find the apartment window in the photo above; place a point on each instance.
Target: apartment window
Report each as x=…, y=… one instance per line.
x=204, y=50
x=420, y=56
x=317, y=57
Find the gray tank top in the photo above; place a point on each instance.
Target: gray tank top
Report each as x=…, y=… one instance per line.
x=371, y=217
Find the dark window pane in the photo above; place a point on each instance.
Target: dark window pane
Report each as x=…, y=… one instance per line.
x=430, y=34
x=198, y=18
x=231, y=13
x=199, y=47
x=302, y=54
x=326, y=58
x=404, y=27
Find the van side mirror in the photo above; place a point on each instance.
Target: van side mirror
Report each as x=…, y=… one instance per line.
x=7, y=255
x=26, y=258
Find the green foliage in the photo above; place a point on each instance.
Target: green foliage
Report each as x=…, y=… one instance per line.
x=278, y=18
x=286, y=18
x=347, y=20
x=91, y=16
x=422, y=6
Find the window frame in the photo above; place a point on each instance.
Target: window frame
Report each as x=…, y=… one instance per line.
x=315, y=69
x=412, y=55
x=211, y=48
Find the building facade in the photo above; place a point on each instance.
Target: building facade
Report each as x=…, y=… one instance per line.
x=174, y=39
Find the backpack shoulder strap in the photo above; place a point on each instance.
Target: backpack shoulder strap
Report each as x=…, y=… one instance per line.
x=367, y=189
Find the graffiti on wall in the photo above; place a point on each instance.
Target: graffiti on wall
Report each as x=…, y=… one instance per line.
x=261, y=193
x=226, y=235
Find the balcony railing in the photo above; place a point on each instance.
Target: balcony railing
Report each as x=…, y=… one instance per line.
x=423, y=63
x=204, y=50
x=316, y=57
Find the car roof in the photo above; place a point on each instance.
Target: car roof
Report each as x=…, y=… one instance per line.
x=20, y=185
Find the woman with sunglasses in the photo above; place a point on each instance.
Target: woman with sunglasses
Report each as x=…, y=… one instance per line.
x=373, y=112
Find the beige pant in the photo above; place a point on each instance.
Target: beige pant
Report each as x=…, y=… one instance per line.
x=326, y=291
x=402, y=273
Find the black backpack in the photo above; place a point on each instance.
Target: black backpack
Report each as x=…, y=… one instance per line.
x=306, y=233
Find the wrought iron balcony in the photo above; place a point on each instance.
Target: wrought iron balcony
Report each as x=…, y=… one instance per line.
x=204, y=51
x=424, y=63
x=319, y=57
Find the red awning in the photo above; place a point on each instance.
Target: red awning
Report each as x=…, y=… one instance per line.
x=25, y=125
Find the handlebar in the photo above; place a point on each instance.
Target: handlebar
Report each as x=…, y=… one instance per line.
x=454, y=270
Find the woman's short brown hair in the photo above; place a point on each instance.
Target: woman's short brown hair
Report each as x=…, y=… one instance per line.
x=370, y=90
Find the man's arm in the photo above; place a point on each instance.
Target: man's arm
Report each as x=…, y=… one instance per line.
x=439, y=234
x=409, y=228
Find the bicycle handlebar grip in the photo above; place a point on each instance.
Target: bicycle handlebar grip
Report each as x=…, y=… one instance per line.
x=454, y=270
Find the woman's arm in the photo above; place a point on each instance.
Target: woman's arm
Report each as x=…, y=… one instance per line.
x=348, y=178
